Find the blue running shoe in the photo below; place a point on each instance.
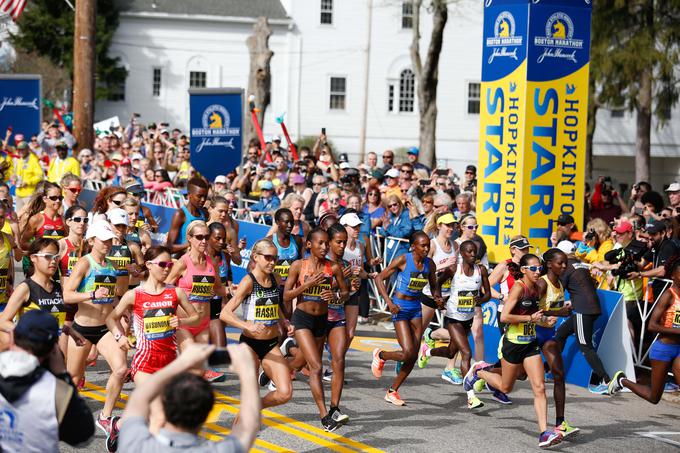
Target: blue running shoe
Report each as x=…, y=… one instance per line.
x=670, y=387
x=452, y=376
x=549, y=438
x=499, y=396
x=471, y=377
x=599, y=389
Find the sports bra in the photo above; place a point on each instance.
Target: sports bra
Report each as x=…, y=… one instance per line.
x=313, y=294
x=198, y=284
x=411, y=281
x=51, y=302
x=262, y=305
x=51, y=228
x=99, y=277
x=286, y=257
x=672, y=317
x=524, y=332
x=69, y=260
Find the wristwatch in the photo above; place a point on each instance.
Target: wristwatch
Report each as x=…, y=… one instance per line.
x=117, y=336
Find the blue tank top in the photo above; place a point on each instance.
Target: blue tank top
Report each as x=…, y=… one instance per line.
x=188, y=218
x=286, y=257
x=223, y=268
x=99, y=277
x=301, y=231
x=411, y=281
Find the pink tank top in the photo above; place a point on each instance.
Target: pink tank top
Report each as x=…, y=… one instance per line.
x=197, y=284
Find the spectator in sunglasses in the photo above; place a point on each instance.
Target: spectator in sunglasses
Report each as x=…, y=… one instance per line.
x=397, y=224
x=71, y=188
x=470, y=183
x=108, y=198
x=62, y=164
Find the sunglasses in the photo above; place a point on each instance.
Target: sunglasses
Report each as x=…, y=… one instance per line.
x=533, y=268
x=437, y=206
x=117, y=202
x=388, y=157
x=373, y=194
x=269, y=258
x=75, y=190
x=48, y=256
x=56, y=197
x=136, y=194
x=469, y=172
x=427, y=201
x=163, y=264
x=334, y=200
x=472, y=227
x=79, y=219
x=200, y=237
x=406, y=171
x=393, y=205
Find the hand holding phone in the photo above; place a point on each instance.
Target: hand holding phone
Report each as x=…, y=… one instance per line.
x=220, y=356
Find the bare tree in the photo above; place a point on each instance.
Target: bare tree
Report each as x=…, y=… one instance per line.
x=427, y=75
x=260, y=77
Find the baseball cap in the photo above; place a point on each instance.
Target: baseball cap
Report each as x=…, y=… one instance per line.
x=22, y=145
x=38, y=326
x=521, y=243
x=392, y=173
x=624, y=227
x=566, y=247
x=221, y=179
x=101, y=230
x=61, y=144
x=447, y=219
x=151, y=126
x=471, y=168
x=655, y=226
x=350, y=219
x=344, y=165
x=565, y=219
x=135, y=188
x=675, y=187
x=267, y=185
x=118, y=216
x=298, y=179
x=126, y=161
x=116, y=156
x=377, y=174
x=276, y=138
x=413, y=150
x=137, y=156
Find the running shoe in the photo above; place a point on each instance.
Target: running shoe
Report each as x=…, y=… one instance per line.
x=566, y=430
x=112, y=435
x=599, y=389
x=475, y=403
x=288, y=343
x=423, y=358
x=361, y=320
x=327, y=375
x=614, y=385
x=428, y=338
x=271, y=387
x=263, y=379
x=394, y=398
x=498, y=395
x=338, y=416
x=480, y=386
x=453, y=376
x=471, y=377
x=377, y=364
x=670, y=387
x=397, y=366
x=549, y=438
x=104, y=423
x=329, y=424
x=214, y=376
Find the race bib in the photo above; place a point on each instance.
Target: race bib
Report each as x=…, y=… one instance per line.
x=281, y=269
x=556, y=305
x=266, y=311
x=202, y=288
x=676, y=320
x=105, y=281
x=72, y=260
x=157, y=323
x=314, y=293
x=524, y=332
x=466, y=302
x=3, y=280
x=417, y=281
x=52, y=233
x=446, y=285
x=60, y=316
x=120, y=263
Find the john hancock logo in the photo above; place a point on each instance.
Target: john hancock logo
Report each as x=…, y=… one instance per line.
x=215, y=130
x=504, y=37
x=558, y=41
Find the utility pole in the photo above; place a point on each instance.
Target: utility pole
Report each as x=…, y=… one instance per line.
x=367, y=63
x=83, y=73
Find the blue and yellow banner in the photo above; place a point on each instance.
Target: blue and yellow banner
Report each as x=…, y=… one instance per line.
x=533, y=114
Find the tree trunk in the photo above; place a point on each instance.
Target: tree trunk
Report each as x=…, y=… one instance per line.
x=590, y=128
x=260, y=78
x=427, y=76
x=644, y=127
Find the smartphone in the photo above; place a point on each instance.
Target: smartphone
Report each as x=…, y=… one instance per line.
x=638, y=211
x=441, y=172
x=323, y=130
x=219, y=356
x=324, y=190
x=424, y=182
x=136, y=115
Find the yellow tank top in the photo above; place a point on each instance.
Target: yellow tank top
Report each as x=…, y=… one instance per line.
x=6, y=228
x=553, y=300
x=5, y=263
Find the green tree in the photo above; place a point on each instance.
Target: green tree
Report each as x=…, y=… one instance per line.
x=46, y=28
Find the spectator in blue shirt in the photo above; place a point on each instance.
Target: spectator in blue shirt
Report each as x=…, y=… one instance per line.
x=397, y=224
x=413, y=153
x=268, y=203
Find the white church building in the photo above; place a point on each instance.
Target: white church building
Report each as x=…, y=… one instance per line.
x=331, y=56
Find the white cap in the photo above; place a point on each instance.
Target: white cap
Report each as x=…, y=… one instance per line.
x=566, y=246
x=276, y=138
x=675, y=187
x=392, y=173
x=118, y=216
x=136, y=156
x=344, y=165
x=220, y=178
x=100, y=229
x=350, y=219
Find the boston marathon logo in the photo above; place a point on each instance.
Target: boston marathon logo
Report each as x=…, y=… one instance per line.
x=559, y=39
x=215, y=130
x=504, y=37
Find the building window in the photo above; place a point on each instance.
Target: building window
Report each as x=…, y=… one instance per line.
x=617, y=113
x=474, y=89
x=327, y=12
x=407, y=14
x=390, y=97
x=338, y=93
x=116, y=92
x=197, y=79
x=406, y=90
x=156, y=84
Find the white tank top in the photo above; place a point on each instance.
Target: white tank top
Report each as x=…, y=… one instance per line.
x=30, y=423
x=354, y=258
x=440, y=259
x=461, y=304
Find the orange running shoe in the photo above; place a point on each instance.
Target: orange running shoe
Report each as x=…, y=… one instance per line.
x=394, y=398
x=377, y=364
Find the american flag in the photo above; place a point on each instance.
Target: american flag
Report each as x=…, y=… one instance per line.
x=12, y=7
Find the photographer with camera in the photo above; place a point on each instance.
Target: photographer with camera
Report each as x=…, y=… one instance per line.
x=621, y=260
x=638, y=189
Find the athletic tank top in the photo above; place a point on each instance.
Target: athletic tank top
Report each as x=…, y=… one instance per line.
x=354, y=257
x=313, y=294
x=51, y=228
x=51, y=302
x=188, y=218
x=198, y=284
x=461, y=304
x=506, y=285
x=152, y=313
x=223, y=266
x=5, y=263
x=440, y=257
x=411, y=281
x=99, y=277
x=286, y=257
x=262, y=305
x=554, y=296
x=301, y=230
x=134, y=237
x=336, y=309
x=121, y=257
x=69, y=260
x=524, y=332
x=672, y=317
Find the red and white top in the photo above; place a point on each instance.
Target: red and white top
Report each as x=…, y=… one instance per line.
x=152, y=314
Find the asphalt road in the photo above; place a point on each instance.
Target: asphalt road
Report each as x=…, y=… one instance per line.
x=435, y=419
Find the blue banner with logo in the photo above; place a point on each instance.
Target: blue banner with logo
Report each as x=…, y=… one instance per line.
x=216, y=128
x=252, y=232
x=20, y=104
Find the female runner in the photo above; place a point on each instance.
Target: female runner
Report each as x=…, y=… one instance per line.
x=154, y=306
x=126, y=257
x=258, y=292
x=215, y=250
x=137, y=232
x=42, y=217
x=520, y=347
x=470, y=289
x=310, y=281
x=415, y=270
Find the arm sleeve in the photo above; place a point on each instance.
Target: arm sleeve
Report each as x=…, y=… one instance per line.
x=77, y=427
